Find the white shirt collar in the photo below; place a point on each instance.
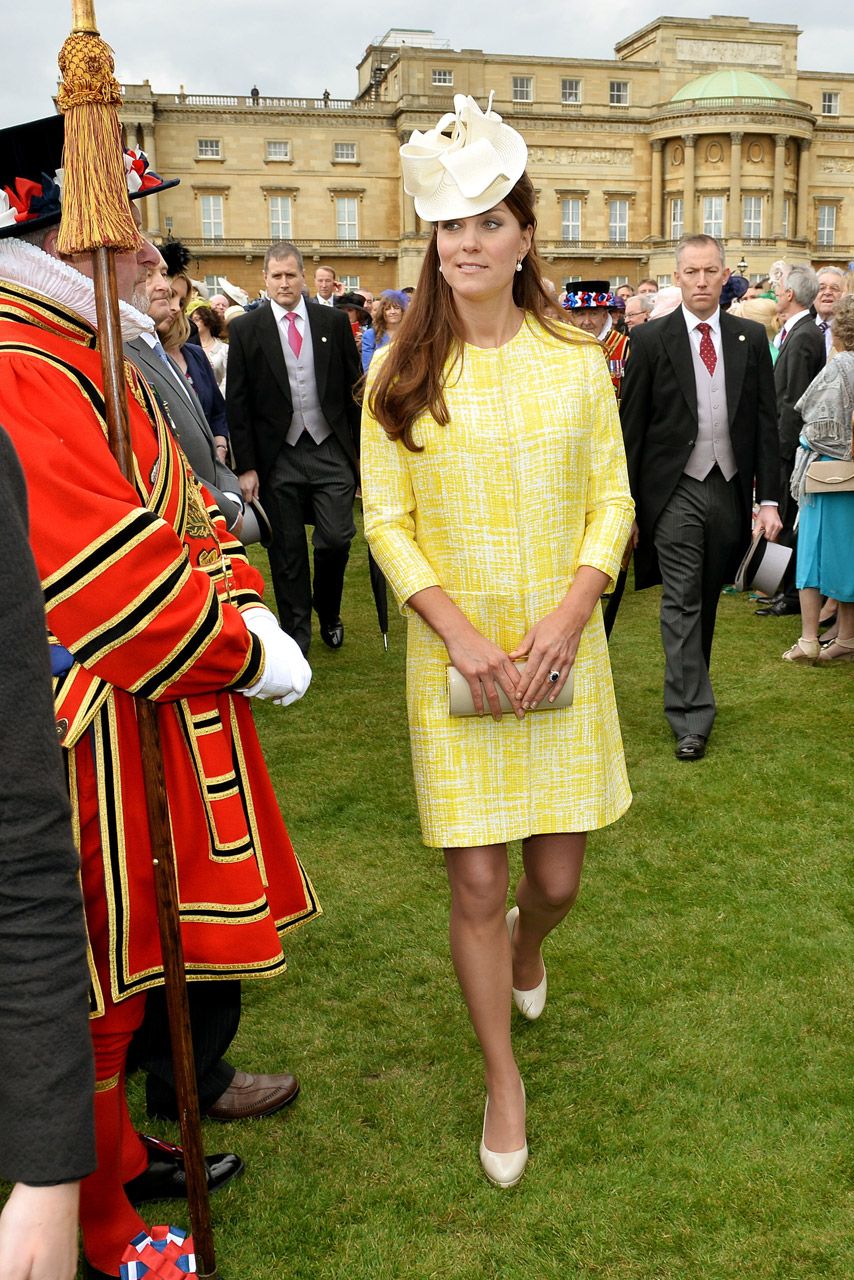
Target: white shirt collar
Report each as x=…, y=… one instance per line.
x=607, y=329
x=789, y=324
x=713, y=321
x=299, y=310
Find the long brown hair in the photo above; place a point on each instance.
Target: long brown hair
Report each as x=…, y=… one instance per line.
x=413, y=375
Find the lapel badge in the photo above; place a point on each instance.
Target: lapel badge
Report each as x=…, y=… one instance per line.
x=323, y=339
x=741, y=337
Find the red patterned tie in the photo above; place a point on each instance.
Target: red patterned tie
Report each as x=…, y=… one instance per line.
x=707, y=347
x=295, y=338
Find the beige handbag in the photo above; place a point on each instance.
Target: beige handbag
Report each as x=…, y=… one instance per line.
x=460, y=699
x=830, y=477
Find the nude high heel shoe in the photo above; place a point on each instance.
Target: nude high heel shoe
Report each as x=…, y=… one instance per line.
x=529, y=1003
x=503, y=1168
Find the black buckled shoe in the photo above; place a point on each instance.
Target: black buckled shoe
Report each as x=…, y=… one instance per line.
x=691, y=747
x=165, y=1177
x=332, y=633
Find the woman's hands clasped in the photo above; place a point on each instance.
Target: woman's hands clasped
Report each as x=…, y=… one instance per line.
x=549, y=650
x=487, y=668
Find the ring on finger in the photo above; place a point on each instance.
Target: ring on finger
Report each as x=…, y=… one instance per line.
x=554, y=676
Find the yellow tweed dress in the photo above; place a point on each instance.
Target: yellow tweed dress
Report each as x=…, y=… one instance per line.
x=526, y=482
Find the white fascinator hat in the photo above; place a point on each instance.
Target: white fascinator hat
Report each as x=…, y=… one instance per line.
x=467, y=172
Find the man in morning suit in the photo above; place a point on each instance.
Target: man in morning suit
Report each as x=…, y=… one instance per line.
x=699, y=426
x=802, y=355
x=293, y=421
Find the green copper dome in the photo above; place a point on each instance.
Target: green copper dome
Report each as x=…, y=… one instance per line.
x=731, y=84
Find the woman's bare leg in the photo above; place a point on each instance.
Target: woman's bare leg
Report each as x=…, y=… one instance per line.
x=810, y=611
x=544, y=895
x=480, y=949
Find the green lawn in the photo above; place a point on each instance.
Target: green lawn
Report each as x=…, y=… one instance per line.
x=689, y=1082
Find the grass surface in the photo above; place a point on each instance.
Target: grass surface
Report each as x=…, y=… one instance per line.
x=688, y=1084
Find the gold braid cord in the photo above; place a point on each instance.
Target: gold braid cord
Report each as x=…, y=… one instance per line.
x=95, y=207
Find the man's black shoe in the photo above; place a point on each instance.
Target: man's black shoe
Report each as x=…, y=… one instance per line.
x=691, y=747
x=779, y=608
x=332, y=633
x=165, y=1178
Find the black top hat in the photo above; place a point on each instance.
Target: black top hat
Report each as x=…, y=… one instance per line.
x=30, y=155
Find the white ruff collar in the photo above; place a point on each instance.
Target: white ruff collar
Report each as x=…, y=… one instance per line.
x=26, y=265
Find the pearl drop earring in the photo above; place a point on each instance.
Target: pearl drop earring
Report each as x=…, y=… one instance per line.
x=519, y=265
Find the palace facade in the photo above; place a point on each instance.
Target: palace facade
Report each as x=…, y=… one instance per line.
x=694, y=125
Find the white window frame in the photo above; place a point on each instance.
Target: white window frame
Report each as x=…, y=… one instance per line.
x=281, y=211
x=349, y=282
x=523, y=88
x=346, y=218
x=212, y=283
x=570, y=97
x=273, y=144
x=677, y=218
x=825, y=234
x=211, y=212
x=618, y=93
x=616, y=281
x=618, y=221
x=570, y=218
x=751, y=220
x=208, y=148
x=345, y=153
x=713, y=216
x=441, y=76
x=664, y=282
x=785, y=227
x=829, y=102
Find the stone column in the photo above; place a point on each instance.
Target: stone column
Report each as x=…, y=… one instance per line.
x=735, y=223
x=149, y=207
x=779, y=179
x=655, y=215
x=688, y=197
x=803, y=188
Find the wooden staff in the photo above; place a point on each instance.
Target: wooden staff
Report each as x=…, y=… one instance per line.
x=97, y=219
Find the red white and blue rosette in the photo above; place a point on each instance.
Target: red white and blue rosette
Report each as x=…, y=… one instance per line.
x=164, y=1254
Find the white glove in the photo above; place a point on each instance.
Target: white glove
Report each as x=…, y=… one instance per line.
x=286, y=674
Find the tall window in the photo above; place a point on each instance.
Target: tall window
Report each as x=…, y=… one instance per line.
x=826, y=224
x=442, y=77
x=830, y=104
x=349, y=282
x=570, y=220
x=618, y=94
x=618, y=221
x=677, y=218
x=345, y=151
x=208, y=149
x=713, y=216
x=523, y=88
x=211, y=207
x=278, y=150
x=346, y=220
x=281, y=218
x=664, y=281
x=785, y=227
x=570, y=91
x=752, y=224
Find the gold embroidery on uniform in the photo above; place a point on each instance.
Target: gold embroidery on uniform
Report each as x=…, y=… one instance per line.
x=104, y=1086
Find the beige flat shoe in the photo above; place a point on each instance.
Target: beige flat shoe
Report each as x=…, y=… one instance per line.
x=529, y=1003
x=837, y=651
x=804, y=652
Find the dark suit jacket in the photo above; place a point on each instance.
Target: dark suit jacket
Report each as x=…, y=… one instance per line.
x=801, y=357
x=258, y=392
x=658, y=411
x=191, y=427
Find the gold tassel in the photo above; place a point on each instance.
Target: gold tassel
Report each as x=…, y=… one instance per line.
x=96, y=210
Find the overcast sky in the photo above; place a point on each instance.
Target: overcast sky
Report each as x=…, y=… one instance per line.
x=300, y=49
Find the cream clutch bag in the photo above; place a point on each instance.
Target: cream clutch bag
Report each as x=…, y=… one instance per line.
x=460, y=700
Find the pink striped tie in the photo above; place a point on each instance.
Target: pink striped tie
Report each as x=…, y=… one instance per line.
x=294, y=335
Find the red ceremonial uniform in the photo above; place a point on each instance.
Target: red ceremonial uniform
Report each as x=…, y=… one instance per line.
x=616, y=348
x=144, y=586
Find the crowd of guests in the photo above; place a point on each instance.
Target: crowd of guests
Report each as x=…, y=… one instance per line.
x=668, y=424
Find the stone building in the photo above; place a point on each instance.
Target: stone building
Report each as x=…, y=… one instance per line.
x=695, y=124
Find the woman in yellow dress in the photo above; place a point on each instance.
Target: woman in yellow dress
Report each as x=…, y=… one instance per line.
x=497, y=504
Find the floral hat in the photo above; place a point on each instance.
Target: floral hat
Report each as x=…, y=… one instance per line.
x=467, y=172
x=31, y=175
